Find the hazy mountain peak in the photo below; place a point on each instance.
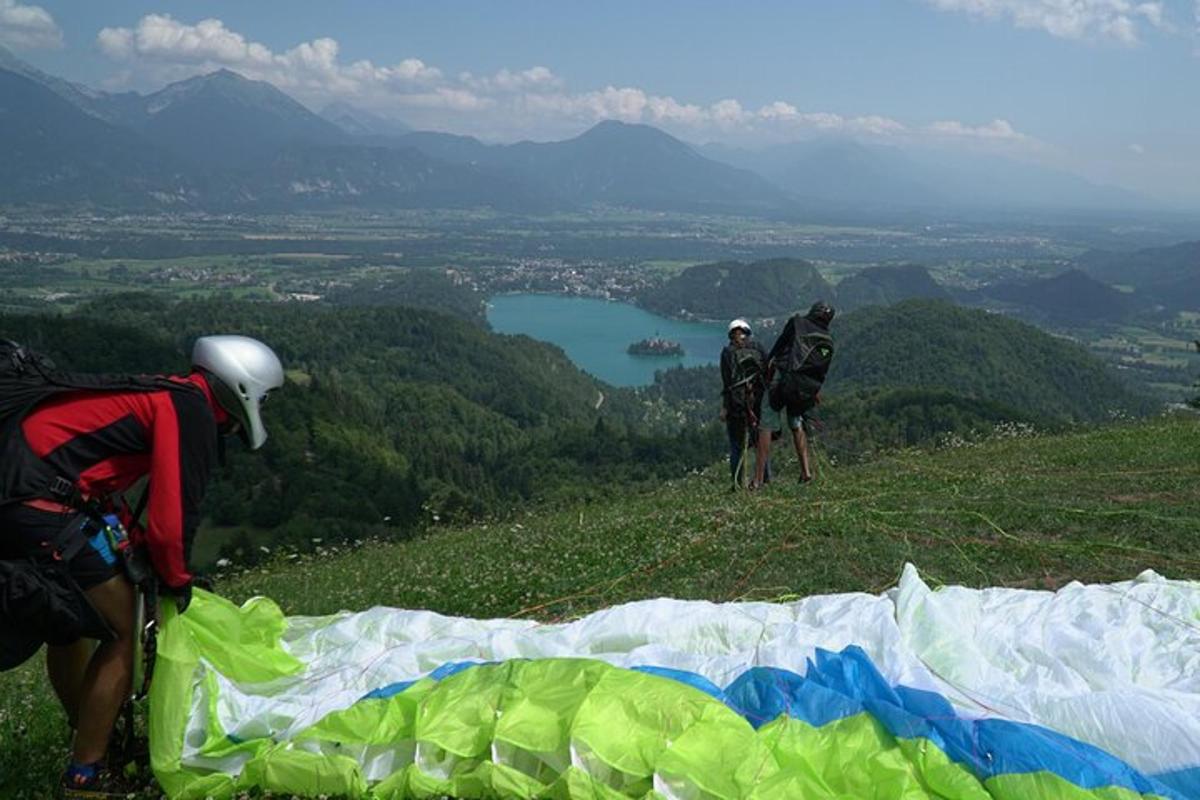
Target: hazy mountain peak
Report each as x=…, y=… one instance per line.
x=615, y=130
x=357, y=122
x=225, y=118
x=222, y=82
x=75, y=93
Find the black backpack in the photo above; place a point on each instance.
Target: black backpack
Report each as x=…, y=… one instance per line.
x=26, y=379
x=39, y=600
x=804, y=366
x=749, y=369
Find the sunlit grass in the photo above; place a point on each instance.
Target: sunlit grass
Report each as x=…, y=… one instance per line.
x=1018, y=509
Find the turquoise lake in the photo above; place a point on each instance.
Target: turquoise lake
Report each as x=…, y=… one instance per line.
x=594, y=333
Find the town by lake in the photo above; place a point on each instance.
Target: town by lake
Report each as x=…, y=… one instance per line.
x=596, y=333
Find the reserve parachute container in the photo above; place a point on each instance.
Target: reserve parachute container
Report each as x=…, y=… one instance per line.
x=1087, y=692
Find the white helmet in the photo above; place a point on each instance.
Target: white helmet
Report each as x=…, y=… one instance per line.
x=245, y=370
x=740, y=323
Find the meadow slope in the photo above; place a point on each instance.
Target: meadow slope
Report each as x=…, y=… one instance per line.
x=1017, y=509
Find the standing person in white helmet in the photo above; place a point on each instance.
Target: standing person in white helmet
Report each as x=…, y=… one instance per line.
x=743, y=381
x=66, y=460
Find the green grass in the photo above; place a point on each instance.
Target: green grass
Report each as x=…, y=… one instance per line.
x=1015, y=510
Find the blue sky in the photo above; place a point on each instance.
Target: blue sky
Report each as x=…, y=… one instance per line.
x=1109, y=89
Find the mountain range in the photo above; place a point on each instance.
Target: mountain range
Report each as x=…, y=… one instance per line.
x=842, y=173
x=224, y=142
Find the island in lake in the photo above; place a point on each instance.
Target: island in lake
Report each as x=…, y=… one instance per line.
x=656, y=347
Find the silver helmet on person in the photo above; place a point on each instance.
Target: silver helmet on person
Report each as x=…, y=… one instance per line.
x=243, y=372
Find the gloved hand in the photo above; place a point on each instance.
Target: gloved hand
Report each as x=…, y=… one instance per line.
x=182, y=595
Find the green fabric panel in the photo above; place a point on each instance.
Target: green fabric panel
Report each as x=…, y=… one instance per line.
x=241, y=643
x=382, y=721
x=509, y=782
x=170, y=704
x=720, y=754
x=1048, y=786
x=856, y=757
x=543, y=701
x=467, y=782
x=625, y=726
x=460, y=715
x=285, y=770
x=575, y=784
x=627, y=721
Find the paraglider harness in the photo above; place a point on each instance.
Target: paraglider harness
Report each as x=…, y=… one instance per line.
x=39, y=600
x=749, y=372
x=802, y=372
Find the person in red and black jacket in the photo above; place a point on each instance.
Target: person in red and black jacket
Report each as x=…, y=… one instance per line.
x=104, y=442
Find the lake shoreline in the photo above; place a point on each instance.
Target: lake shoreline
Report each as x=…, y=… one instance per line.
x=595, y=333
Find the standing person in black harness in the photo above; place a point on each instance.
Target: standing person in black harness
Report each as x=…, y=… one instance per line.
x=93, y=444
x=800, y=359
x=743, y=381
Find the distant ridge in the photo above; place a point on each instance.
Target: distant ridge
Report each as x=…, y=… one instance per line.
x=842, y=173
x=53, y=150
x=223, y=120
x=615, y=163
x=1169, y=276
x=219, y=125
x=1070, y=297
x=360, y=123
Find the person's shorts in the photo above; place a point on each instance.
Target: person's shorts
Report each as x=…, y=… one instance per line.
x=27, y=533
x=791, y=409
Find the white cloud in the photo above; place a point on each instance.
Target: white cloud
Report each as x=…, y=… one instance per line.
x=532, y=79
x=996, y=130
x=1137, y=149
x=28, y=27
x=167, y=48
x=1117, y=20
x=508, y=104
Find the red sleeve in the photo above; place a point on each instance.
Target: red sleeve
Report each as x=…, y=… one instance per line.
x=183, y=437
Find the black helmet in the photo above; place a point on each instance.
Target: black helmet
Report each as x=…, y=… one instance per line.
x=821, y=312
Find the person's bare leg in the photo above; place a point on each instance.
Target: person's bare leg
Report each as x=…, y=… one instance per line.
x=109, y=673
x=66, y=664
x=801, y=443
x=762, y=452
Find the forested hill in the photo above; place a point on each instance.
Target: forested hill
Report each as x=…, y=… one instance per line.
x=931, y=344
x=389, y=417
x=1168, y=275
x=771, y=288
x=883, y=286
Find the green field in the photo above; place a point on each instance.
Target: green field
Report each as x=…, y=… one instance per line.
x=1017, y=509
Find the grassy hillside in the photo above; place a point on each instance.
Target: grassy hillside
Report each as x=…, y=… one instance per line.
x=1015, y=510
x=1018, y=509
